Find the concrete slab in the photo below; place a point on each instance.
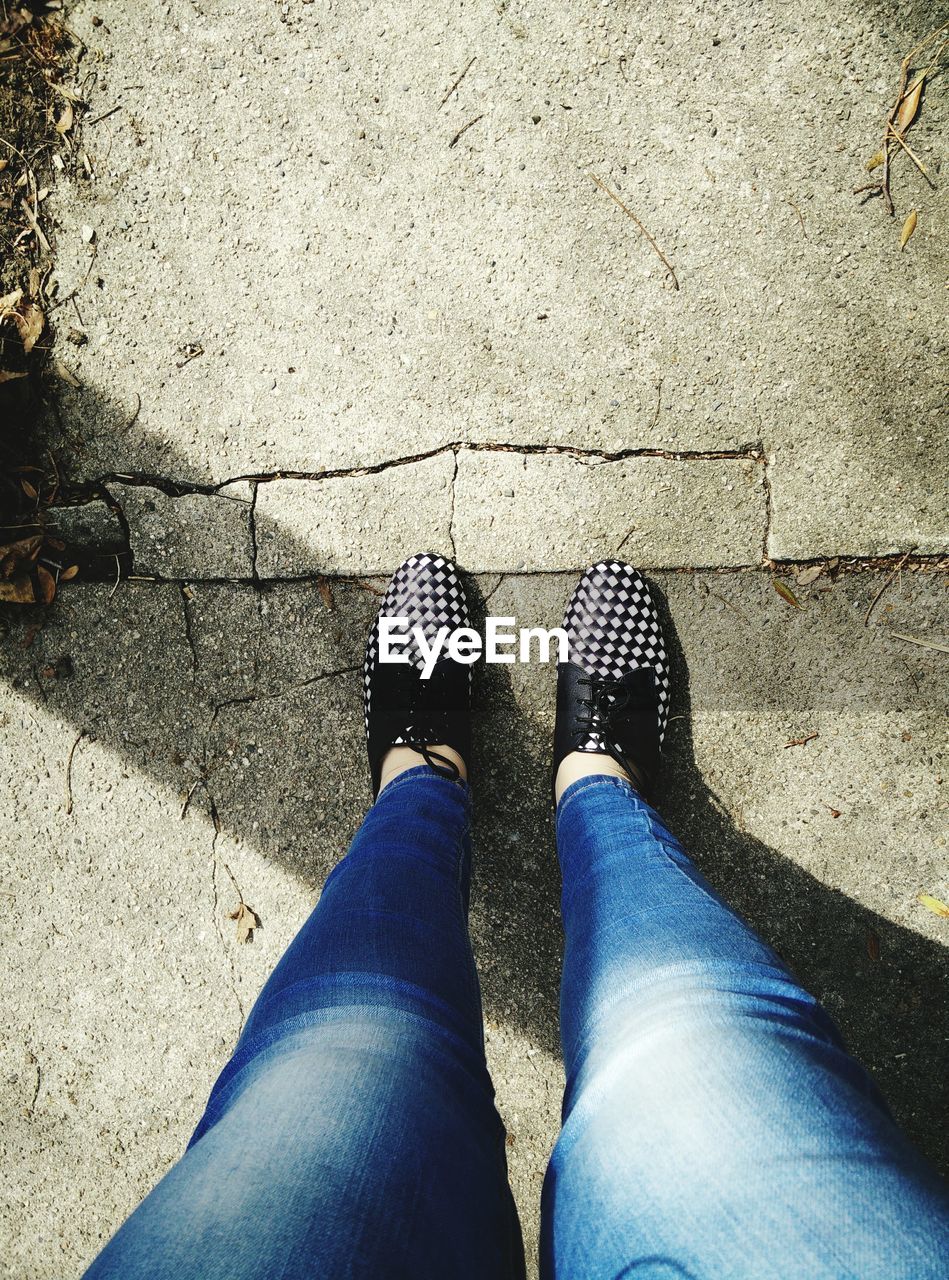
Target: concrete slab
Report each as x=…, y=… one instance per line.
x=92, y=526
x=354, y=524
x=194, y=535
x=517, y=512
x=388, y=255
x=125, y=983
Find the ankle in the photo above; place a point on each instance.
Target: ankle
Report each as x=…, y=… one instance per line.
x=587, y=764
x=398, y=759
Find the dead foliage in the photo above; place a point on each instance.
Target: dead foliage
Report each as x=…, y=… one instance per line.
x=39, y=114
x=917, y=71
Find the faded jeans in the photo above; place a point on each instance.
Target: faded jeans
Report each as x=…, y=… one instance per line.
x=713, y=1123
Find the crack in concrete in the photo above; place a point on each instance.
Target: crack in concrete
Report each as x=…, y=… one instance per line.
x=252, y=528
x=934, y=562
x=501, y=577
x=173, y=488
x=768, y=510
x=451, y=518
x=245, y=698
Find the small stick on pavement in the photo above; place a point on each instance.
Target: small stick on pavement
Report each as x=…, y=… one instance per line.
x=873, y=602
x=72, y=752
x=800, y=216
x=457, y=82
x=464, y=129
x=31, y=219
x=912, y=155
x=923, y=644
x=802, y=742
x=105, y=115
x=629, y=213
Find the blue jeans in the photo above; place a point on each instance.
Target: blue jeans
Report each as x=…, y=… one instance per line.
x=714, y=1125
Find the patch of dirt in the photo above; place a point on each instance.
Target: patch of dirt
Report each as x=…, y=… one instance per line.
x=36, y=113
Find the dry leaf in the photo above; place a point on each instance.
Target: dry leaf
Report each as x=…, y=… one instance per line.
x=785, y=592
x=873, y=945
x=809, y=575
x=247, y=921
x=66, y=120
x=874, y=162
x=28, y=489
x=47, y=584
x=909, y=105
x=65, y=374
x=9, y=303
x=6, y=375
x=67, y=575
x=30, y=322
x=3, y=165
x=935, y=905
x=909, y=226
x=17, y=591
x=16, y=554
x=326, y=592
x=69, y=94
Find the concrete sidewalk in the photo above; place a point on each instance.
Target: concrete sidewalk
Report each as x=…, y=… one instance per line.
x=126, y=984
x=350, y=290
x=302, y=265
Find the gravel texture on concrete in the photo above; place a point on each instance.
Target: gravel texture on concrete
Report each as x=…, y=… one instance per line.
x=524, y=512
x=354, y=524
x=192, y=535
x=126, y=986
x=332, y=236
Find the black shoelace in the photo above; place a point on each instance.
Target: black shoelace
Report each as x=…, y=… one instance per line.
x=608, y=699
x=420, y=736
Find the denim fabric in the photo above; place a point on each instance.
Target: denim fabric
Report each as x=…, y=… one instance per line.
x=714, y=1126
x=353, y=1134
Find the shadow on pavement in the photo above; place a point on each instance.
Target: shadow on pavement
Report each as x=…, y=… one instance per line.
x=877, y=979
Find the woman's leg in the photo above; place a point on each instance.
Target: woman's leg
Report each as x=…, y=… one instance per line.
x=353, y=1133
x=714, y=1125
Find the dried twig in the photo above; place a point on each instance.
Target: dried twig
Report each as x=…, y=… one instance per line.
x=105, y=115
x=198, y=782
x=923, y=644
x=72, y=752
x=873, y=602
x=802, y=742
x=457, y=82
x=629, y=213
x=890, y=130
x=800, y=216
x=37, y=229
x=464, y=129
x=912, y=155
x=655, y=418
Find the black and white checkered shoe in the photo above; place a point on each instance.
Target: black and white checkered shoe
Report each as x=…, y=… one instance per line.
x=402, y=708
x=613, y=693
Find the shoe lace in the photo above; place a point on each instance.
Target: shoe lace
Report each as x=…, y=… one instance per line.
x=426, y=723
x=608, y=699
